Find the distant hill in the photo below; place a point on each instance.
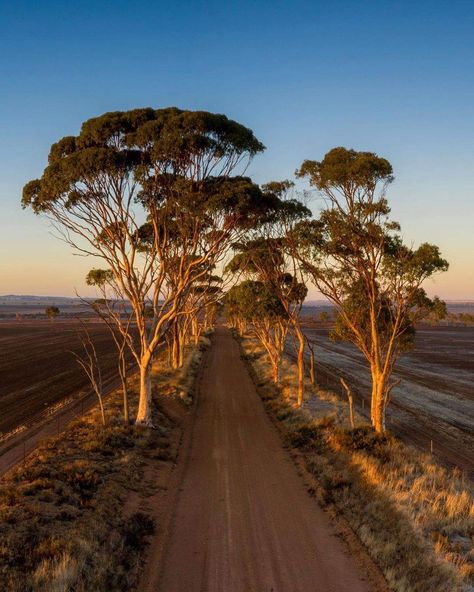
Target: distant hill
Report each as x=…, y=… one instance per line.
x=29, y=299
x=317, y=303
x=454, y=306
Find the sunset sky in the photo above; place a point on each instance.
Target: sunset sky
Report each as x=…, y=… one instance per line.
x=396, y=78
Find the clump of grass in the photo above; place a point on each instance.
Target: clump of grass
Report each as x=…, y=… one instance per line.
x=62, y=524
x=415, y=518
x=137, y=528
x=305, y=436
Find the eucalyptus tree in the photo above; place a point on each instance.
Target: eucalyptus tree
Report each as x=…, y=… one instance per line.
x=201, y=294
x=202, y=304
x=147, y=191
x=256, y=304
x=51, y=312
x=195, y=314
x=356, y=257
x=264, y=256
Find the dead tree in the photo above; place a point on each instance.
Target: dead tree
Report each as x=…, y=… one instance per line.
x=89, y=362
x=351, y=402
x=312, y=373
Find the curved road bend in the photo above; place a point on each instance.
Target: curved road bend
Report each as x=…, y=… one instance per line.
x=243, y=520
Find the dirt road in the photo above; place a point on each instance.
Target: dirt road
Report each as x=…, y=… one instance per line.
x=243, y=520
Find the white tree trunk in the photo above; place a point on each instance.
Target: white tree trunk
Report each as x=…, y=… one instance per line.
x=379, y=387
x=300, y=364
x=144, y=402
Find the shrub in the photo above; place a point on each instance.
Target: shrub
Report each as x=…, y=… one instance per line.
x=136, y=529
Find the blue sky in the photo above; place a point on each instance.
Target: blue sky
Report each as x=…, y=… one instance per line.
x=396, y=78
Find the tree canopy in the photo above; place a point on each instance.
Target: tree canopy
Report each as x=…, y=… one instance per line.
x=356, y=257
x=157, y=195
x=149, y=146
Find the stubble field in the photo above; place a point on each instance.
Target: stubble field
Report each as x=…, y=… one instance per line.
x=38, y=370
x=432, y=406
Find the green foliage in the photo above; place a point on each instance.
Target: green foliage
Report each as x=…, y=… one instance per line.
x=439, y=310
x=192, y=145
x=413, y=264
x=357, y=308
x=99, y=277
x=176, y=173
x=357, y=258
x=253, y=300
x=181, y=134
x=465, y=317
x=254, y=256
x=355, y=172
x=355, y=254
x=264, y=258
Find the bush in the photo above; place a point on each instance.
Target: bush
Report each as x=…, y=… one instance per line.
x=136, y=529
x=305, y=437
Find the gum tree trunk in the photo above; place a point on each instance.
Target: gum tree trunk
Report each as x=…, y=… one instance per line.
x=379, y=388
x=144, y=401
x=276, y=373
x=300, y=364
x=176, y=346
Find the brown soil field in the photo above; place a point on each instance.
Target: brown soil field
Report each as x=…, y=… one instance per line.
x=434, y=402
x=38, y=370
x=31, y=311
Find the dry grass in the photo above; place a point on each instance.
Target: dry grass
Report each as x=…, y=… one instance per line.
x=180, y=383
x=62, y=524
x=415, y=518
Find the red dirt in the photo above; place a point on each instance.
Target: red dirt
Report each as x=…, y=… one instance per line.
x=243, y=520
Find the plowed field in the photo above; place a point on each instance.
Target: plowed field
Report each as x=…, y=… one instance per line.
x=434, y=401
x=38, y=370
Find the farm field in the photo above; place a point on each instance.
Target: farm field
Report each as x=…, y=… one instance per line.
x=38, y=370
x=32, y=310
x=433, y=402
x=435, y=398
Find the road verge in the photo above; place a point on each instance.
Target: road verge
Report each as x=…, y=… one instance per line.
x=415, y=518
x=65, y=523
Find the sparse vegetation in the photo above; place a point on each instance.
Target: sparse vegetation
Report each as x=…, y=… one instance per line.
x=160, y=198
x=415, y=518
x=463, y=318
x=62, y=519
